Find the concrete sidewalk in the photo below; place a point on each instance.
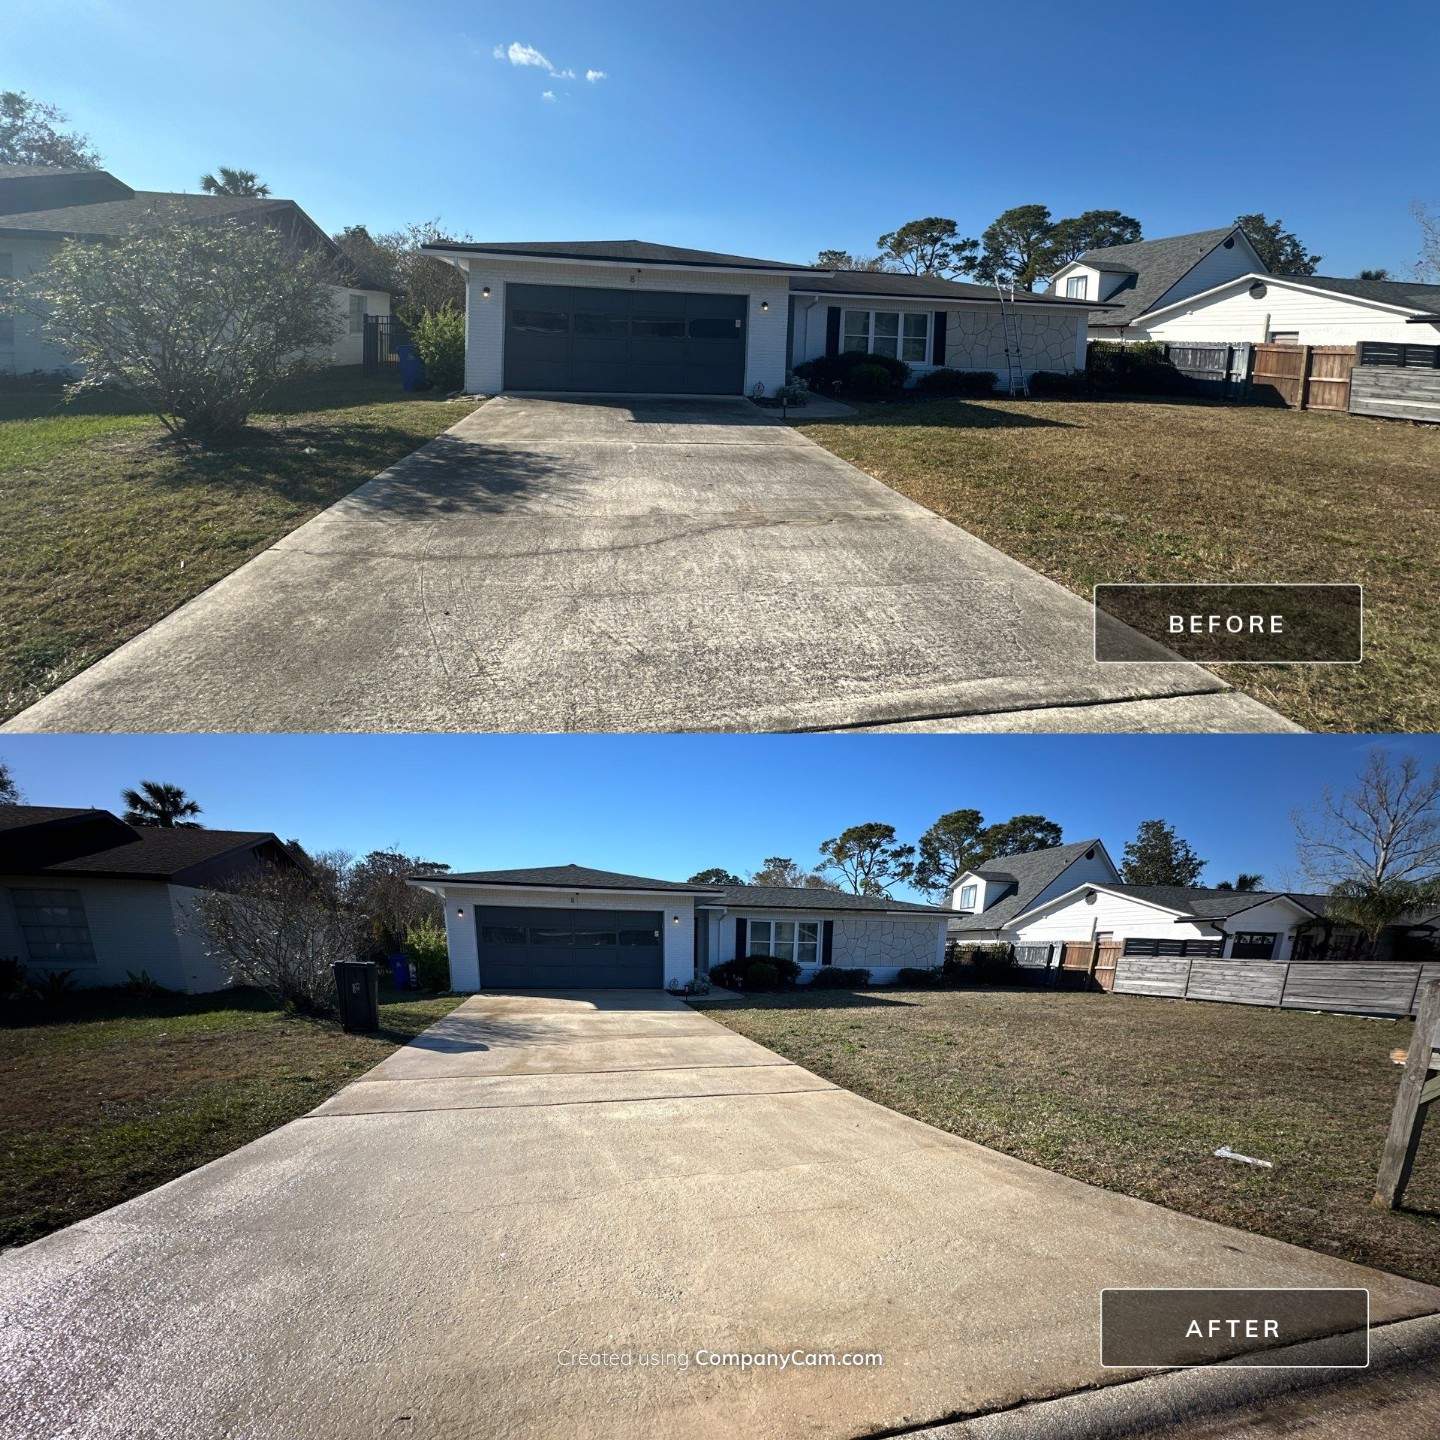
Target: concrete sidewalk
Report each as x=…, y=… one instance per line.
x=545, y=1177
x=645, y=566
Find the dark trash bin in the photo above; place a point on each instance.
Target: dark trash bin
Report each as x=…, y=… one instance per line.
x=412, y=367
x=357, y=989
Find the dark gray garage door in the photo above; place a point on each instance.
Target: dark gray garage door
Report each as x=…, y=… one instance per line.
x=560, y=337
x=524, y=949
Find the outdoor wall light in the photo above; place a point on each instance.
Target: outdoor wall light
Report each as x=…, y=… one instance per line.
x=460, y=912
x=484, y=292
x=764, y=304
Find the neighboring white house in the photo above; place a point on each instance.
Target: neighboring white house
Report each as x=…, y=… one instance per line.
x=1073, y=894
x=1137, y=279
x=41, y=207
x=567, y=927
x=1300, y=310
x=633, y=317
x=85, y=892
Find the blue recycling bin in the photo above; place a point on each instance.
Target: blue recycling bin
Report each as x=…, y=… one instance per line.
x=401, y=972
x=412, y=367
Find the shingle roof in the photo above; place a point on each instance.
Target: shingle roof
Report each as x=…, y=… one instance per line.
x=18, y=817
x=1387, y=292
x=116, y=217
x=1156, y=266
x=639, y=252
x=1211, y=904
x=571, y=877
x=785, y=897
x=160, y=853
x=1032, y=871
x=915, y=287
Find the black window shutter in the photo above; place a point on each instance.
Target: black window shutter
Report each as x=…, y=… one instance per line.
x=832, y=330
x=937, y=355
x=740, y=941
x=827, y=943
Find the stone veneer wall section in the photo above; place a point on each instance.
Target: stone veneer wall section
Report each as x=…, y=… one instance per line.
x=975, y=340
x=882, y=943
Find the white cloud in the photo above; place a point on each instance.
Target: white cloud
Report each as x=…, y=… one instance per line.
x=548, y=95
x=593, y=75
x=518, y=54
x=563, y=74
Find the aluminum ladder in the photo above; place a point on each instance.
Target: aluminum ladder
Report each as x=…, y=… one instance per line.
x=1014, y=365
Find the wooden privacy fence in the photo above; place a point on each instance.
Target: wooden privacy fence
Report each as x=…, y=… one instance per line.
x=1305, y=377
x=1095, y=958
x=1398, y=382
x=1345, y=986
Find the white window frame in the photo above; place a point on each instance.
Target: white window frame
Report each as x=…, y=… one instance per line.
x=358, y=313
x=967, y=896
x=900, y=337
x=29, y=898
x=1076, y=286
x=754, y=945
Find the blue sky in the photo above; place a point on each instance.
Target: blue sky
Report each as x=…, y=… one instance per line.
x=762, y=128
x=670, y=805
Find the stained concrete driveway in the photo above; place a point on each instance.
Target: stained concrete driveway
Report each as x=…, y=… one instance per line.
x=538, y=1179
x=655, y=565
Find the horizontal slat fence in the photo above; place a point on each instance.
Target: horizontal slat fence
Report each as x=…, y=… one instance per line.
x=1396, y=393
x=1347, y=987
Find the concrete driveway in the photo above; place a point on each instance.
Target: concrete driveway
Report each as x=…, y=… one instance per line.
x=654, y=565
x=542, y=1178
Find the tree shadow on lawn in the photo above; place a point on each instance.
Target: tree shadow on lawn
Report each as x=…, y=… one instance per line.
x=117, y=1003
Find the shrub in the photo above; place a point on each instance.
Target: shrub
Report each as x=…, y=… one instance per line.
x=12, y=978
x=1052, y=383
x=836, y=977
x=911, y=975
x=199, y=323
x=143, y=985
x=957, y=382
x=439, y=336
x=1141, y=369
x=54, y=987
x=834, y=374
x=787, y=969
x=869, y=382
x=991, y=960
x=761, y=975
x=730, y=974
x=427, y=950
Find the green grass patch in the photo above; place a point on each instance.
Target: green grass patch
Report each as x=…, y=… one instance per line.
x=1135, y=1095
x=106, y=525
x=112, y=1095
x=1087, y=492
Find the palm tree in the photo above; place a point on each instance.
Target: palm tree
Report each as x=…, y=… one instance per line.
x=233, y=182
x=1246, y=882
x=155, y=803
x=1373, y=906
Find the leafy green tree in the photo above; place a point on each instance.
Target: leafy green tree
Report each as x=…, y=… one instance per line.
x=844, y=260
x=199, y=323
x=1019, y=835
x=1373, y=906
x=377, y=888
x=156, y=803
x=781, y=871
x=1158, y=856
x=868, y=858
x=1282, y=251
x=9, y=790
x=420, y=283
x=1091, y=230
x=932, y=246
x=1016, y=246
x=947, y=849
x=30, y=135
x=233, y=182
x=1247, y=882
x=714, y=876
x=439, y=337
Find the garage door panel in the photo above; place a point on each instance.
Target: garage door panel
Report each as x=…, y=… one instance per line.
x=585, y=338
x=533, y=948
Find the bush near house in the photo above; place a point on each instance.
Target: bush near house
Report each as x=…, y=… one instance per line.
x=837, y=977
x=914, y=976
x=439, y=336
x=1139, y=369
x=755, y=973
x=974, y=383
x=836, y=374
x=426, y=948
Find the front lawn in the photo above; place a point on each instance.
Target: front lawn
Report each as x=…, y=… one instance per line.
x=1087, y=492
x=106, y=526
x=1135, y=1094
x=114, y=1095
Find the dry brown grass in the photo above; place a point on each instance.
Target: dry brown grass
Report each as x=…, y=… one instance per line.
x=1087, y=492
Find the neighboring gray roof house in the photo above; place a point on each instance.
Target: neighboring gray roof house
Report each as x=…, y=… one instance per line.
x=84, y=891
x=1137, y=278
x=1010, y=884
x=1425, y=298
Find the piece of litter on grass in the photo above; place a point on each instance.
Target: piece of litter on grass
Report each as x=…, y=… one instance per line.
x=1226, y=1153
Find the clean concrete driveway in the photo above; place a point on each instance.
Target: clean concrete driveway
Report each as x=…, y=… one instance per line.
x=655, y=565
x=541, y=1178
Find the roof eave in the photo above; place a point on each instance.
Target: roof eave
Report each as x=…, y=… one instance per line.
x=449, y=252
x=434, y=883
